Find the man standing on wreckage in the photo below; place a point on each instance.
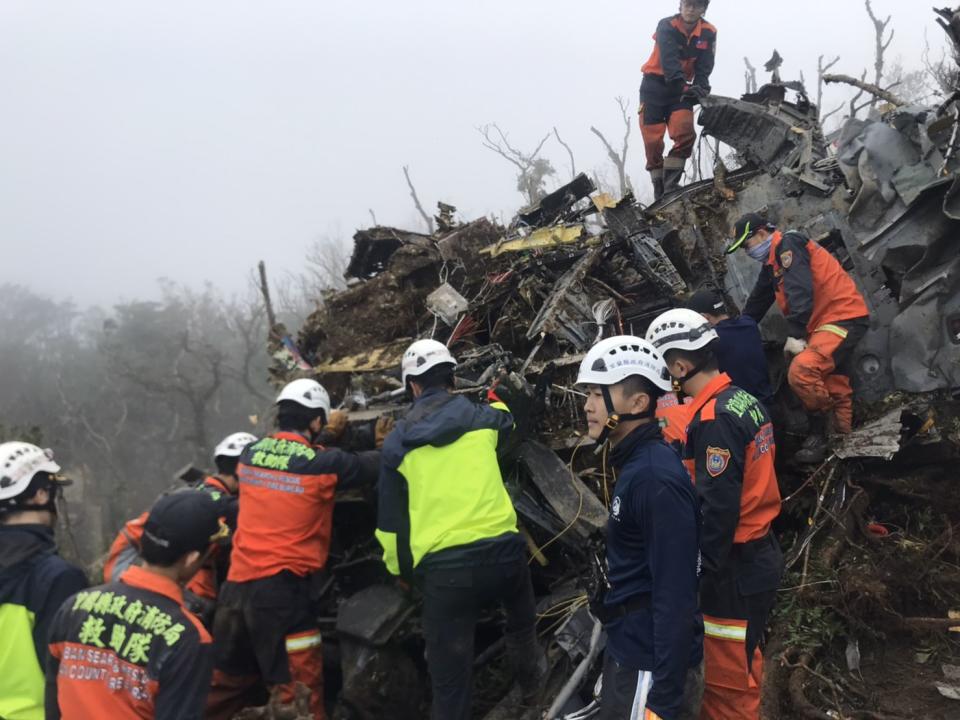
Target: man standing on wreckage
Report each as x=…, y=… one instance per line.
x=447, y=526
x=675, y=78
x=729, y=453
x=653, y=661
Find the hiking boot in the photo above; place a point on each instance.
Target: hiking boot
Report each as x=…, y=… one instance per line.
x=814, y=448
x=671, y=179
x=656, y=177
x=813, y=451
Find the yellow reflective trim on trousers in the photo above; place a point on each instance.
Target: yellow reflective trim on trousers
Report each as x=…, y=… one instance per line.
x=724, y=632
x=303, y=642
x=835, y=329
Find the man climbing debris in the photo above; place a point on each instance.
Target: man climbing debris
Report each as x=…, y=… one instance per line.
x=265, y=627
x=34, y=579
x=653, y=662
x=730, y=455
x=675, y=78
x=827, y=318
x=201, y=591
x=448, y=526
x=739, y=346
x=131, y=648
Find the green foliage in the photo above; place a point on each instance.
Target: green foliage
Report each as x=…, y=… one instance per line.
x=31, y=434
x=806, y=623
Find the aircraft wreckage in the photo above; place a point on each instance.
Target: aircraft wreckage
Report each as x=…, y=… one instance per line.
x=523, y=303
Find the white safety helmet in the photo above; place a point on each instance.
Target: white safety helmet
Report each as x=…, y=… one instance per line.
x=19, y=462
x=233, y=445
x=615, y=359
x=680, y=329
x=308, y=393
x=422, y=356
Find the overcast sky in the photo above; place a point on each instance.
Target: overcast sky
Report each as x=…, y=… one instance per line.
x=191, y=139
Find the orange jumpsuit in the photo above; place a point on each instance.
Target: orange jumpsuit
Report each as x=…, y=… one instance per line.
x=823, y=306
x=730, y=453
x=678, y=57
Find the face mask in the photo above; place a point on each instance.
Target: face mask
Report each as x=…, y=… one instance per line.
x=760, y=252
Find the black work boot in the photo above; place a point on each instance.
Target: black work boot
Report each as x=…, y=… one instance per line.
x=672, y=174
x=656, y=177
x=529, y=665
x=814, y=448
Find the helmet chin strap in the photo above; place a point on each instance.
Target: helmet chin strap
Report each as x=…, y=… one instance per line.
x=695, y=370
x=614, y=418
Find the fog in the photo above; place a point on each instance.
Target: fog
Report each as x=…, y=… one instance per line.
x=189, y=140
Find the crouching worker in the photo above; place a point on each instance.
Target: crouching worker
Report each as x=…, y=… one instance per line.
x=448, y=526
x=131, y=648
x=654, y=654
x=265, y=627
x=826, y=318
x=34, y=579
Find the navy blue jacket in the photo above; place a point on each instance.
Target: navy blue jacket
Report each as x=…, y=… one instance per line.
x=740, y=354
x=653, y=537
x=34, y=582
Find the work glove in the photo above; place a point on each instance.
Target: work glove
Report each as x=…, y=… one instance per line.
x=649, y=714
x=384, y=427
x=336, y=425
x=695, y=93
x=794, y=346
x=677, y=87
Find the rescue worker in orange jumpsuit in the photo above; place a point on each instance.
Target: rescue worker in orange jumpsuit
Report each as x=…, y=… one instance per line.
x=826, y=315
x=730, y=454
x=131, y=648
x=201, y=591
x=675, y=78
x=265, y=628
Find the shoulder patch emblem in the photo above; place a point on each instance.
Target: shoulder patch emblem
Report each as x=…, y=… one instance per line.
x=615, y=508
x=717, y=461
x=786, y=259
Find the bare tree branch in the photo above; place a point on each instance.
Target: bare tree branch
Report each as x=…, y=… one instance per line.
x=573, y=163
x=533, y=170
x=881, y=45
x=865, y=87
x=428, y=221
x=619, y=159
x=750, y=76
x=822, y=70
x=373, y=217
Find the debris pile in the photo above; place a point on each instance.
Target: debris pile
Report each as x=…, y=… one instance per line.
x=521, y=304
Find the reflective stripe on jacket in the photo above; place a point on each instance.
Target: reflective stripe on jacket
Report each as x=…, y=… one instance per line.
x=730, y=453
x=440, y=482
x=679, y=56
x=808, y=283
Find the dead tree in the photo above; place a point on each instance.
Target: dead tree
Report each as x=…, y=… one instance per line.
x=573, y=163
x=822, y=70
x=428, y=221
x=533, y=170
x=619, y=159
x=750, y=76
x=880, y=28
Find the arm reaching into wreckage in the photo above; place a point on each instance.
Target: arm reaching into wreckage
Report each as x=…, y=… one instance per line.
x=762, y=296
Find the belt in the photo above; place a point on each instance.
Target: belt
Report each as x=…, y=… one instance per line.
x=608, y=613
